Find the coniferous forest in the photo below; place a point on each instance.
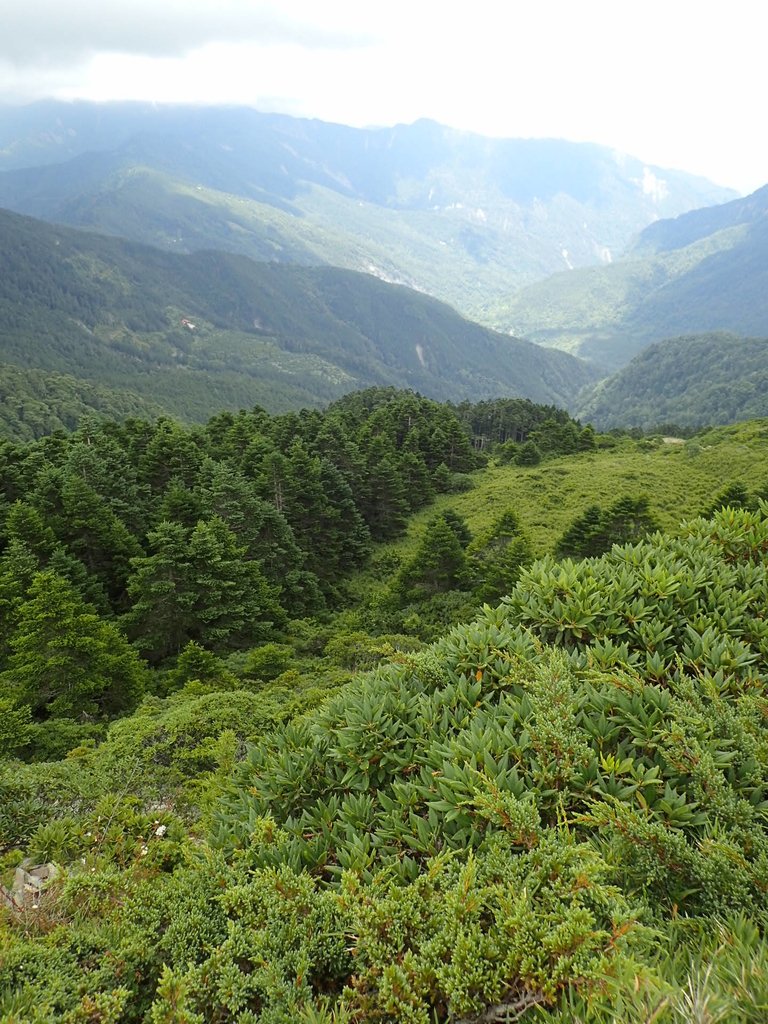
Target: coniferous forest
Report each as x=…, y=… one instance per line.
x=371, y=714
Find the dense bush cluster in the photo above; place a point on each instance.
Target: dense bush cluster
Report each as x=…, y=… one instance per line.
x=556, y=812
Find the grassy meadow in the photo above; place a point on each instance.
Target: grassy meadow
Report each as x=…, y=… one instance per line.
x=680, y=479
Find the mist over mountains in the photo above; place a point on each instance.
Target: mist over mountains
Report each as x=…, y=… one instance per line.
x=465, y=218
x=704, y=271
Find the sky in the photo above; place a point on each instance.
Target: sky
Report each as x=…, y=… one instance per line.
x=677, y=83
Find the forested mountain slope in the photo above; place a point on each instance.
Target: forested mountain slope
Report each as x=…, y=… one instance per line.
x=462, y=217
x=705, y=271
x=193, y=334
x=689, y=381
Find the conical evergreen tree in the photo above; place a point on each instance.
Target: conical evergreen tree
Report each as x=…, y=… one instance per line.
x=439, y=564
x=180, y=505
x=233, y=605
x=105, y=467
x=65, y=660
x=263, y=532
x=18, y=567
x=160, y=620
x=96, y=536
x=497, y=557
x=173, y=452
x=381, y=496
x=25, y=523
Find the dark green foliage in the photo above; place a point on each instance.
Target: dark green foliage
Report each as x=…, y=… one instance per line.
x=160, y=593
x=440, y=563
x=77, y=307
x=596, y=530
x=735, y=495
x=555, y=812
x=528, y=454
x=201, y=666
x=15, y=727
x=96, y=536
x=214, y=535
x=64, y=660
x=503, y=420
x=231, y=600
x=458, y=525
x=690, y=381
x=198, y=587
x=496, y=558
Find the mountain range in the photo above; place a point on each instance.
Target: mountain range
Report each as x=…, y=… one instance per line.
x=269, y=260
x=465, y=218
x=192, y=334
x=704, y=271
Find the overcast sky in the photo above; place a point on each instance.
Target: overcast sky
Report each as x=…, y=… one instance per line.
x=679, y=83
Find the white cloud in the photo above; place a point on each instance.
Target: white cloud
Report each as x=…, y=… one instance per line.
x=676, y=84
x=54, y=33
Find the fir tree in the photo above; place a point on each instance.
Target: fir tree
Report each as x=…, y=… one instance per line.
x=65, y=660
x=233, y=605
x=160, y=619
x=497, y=557
x=440, y=564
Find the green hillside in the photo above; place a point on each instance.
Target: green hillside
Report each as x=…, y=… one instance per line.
x=34, y=403
x=680, y=479
x=462, y=217
x=703, y=272
x=688, y=381
x=198, y=333
x=554, y=813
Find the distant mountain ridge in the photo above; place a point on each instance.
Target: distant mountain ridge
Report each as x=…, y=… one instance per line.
x=194, y=334
x=688, y=381
x=678, y=232
x=462, y=217
x=703, y=272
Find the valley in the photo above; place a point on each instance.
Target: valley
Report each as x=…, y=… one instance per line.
x=383, y=575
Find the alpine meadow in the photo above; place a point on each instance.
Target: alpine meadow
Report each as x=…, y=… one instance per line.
x=383, y=569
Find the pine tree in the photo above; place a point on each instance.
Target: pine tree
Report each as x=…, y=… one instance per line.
x=160, y=619
x=25, y=523
x=417, y=480
x=263, y=532
x=497, y=557
x=179, y=504
x=585, y=536
x=96, y=536
x=18, y=567
x=171, y=453
x=232, y=603
x=735, y=495
x=596, y=530
x=381, y=496
x=101, y=462
x=439, y=564
x=65, y=660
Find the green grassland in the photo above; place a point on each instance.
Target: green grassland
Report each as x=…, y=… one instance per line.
x=680, y=479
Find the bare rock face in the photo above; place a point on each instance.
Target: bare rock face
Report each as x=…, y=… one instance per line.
x=29, y=884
